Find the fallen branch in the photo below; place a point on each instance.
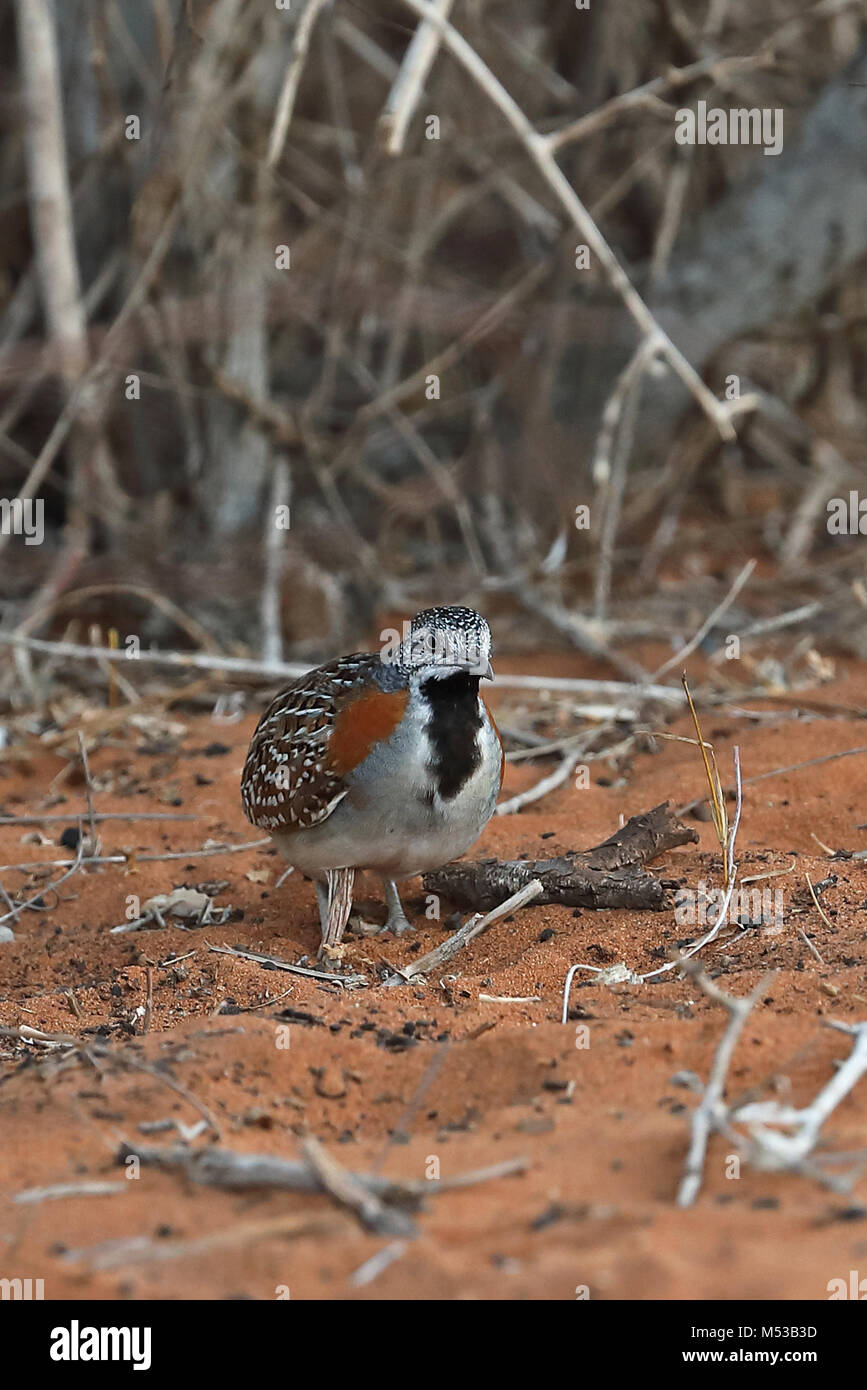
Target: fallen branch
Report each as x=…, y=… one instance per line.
x=348, y=1191
x=607, y=876
x=238, y=1172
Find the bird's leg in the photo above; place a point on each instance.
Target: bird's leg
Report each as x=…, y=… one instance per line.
x=335, y=905
x=322, y=900
x=398, y=922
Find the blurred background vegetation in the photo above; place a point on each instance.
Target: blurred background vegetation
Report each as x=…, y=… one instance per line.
x=257, y=127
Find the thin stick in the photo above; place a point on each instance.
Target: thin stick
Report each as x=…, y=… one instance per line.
x=275, y=555
x=560, y=775
x=72, y=868
x=160, y=1074
x=709, y=622
x=201, y=661
x=615, y=443
x=149, y=1000
x=31, y=1195
x=289, y=90
x=472, y=928
x=404, y=96
x=97, y=816
x=349, y=981
x=642, y=96
x=706, y=1116
x=372, y=1268
x=820, y=909
x=132, y=857
x=143, y=1250
x=731, y=877
x=82, y=748
x=809, y=945
x=251, y=1008
x=779, y=772
x=717, y=796
x=542, y=788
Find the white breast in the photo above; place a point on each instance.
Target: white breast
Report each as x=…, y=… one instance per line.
x=393, y=819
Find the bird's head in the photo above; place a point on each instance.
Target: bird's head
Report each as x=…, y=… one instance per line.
x=446, y=642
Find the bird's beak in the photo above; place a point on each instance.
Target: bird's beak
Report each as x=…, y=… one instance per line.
x=489, y=674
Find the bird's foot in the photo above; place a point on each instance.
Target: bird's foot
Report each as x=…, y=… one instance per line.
x=397, y=923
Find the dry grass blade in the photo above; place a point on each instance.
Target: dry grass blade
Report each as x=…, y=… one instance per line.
x=717, y=795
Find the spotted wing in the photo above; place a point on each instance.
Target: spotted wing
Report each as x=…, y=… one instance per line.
x=313, y=734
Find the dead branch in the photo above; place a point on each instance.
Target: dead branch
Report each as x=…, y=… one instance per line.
x=289, y=90
x=290, y=670
x=607, y=876
x=769, y=1149
x=409, y=83
x=348, y=1191
x=239, y=1172
x=711, y=1114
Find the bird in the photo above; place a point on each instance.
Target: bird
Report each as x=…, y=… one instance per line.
x=387, y=761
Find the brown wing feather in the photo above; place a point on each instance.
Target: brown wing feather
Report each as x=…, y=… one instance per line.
x=315, y=732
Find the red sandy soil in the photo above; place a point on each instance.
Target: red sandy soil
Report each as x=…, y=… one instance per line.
x=393, y=1078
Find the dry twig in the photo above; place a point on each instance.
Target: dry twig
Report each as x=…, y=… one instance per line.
x=712, y=1113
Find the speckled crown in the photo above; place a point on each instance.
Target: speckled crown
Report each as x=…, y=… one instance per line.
x=454, y=636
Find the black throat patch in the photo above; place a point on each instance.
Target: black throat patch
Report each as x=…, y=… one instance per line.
x=453, y=730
